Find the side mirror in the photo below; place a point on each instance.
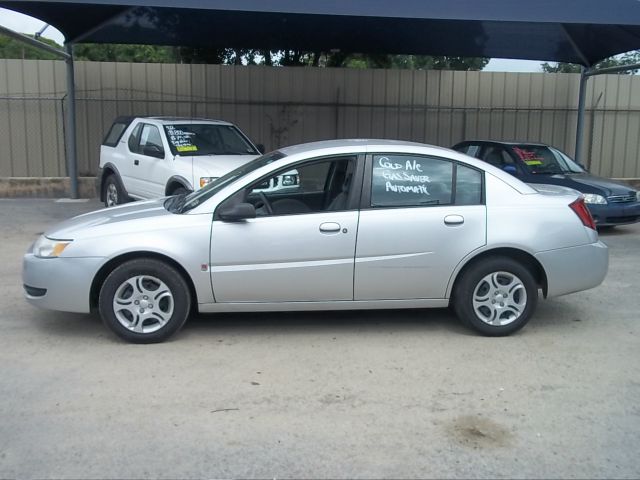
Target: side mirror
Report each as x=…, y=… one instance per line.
x=153, y=151
x=260, y=148
x=510, y=169
x=236, y=212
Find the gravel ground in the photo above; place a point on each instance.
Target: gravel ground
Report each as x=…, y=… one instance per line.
x=355, y=394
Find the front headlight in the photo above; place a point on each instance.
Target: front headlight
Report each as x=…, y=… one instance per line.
x=594, y=199
x=49, y=248
x=204, y=181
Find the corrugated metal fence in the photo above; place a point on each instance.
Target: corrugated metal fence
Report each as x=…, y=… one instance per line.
x=281, y=106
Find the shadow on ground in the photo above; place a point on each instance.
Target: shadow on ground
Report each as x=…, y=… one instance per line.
x=551, y=314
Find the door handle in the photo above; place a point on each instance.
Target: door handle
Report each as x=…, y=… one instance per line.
x=453, y=220
x=329, y=227
x=136, y=162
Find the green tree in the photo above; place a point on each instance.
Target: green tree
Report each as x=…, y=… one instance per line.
x=11, y=48
x=628, y=58
x=360, y=60
x=109, y=52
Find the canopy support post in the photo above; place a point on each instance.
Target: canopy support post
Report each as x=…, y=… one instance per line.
x=72, y=159
x=581, y=109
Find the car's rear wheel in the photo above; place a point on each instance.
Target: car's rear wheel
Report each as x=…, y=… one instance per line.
x=113, y=193
x=495, y=296
x=144, y=301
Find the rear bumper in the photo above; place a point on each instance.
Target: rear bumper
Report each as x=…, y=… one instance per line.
x=574, y=269
x=615, y=213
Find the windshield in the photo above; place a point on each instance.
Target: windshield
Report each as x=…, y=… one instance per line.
x=540, y=159
x=184, y=203
x=195, y=139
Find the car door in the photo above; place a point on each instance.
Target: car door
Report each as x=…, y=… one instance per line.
x=420, y=217
x=303, y=250
x=151, y=161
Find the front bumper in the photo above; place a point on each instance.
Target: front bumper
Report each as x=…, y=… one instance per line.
x=574, y=269
x=66, y=282
x=615, y=213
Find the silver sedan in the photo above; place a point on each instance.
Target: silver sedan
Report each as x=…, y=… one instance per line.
x=372, y=224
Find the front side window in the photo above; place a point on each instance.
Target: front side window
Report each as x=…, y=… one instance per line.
x=184, y=203
x=407, y=180
x=197, y=139
x=150, y=141
x=323, y=185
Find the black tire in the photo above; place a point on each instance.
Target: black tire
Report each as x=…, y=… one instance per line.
x=474, y=277
x=173, y=309
x=180, y=191
x=112, y=192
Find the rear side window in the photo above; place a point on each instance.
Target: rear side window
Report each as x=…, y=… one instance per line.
x=468, y=149
x=468, y=186
x=115, y=133
x=406, y=180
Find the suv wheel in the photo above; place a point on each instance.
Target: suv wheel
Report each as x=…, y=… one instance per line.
x=112, y=192
x=496, y=296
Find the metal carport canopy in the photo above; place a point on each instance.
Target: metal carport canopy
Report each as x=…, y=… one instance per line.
x=577, y=31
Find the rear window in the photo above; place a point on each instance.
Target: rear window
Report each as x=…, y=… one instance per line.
x=115, y=133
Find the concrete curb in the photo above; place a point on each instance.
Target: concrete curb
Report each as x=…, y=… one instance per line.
x=45, y=187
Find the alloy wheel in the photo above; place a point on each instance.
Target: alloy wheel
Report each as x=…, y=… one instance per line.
x=499, y=298
x=143, y=304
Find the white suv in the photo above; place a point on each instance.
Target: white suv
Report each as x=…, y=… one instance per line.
x=151, y=157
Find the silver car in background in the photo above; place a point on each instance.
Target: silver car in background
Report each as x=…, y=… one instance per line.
x=373, y=224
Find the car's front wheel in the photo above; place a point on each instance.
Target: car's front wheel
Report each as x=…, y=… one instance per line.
x=144, y=301
x=495, y=296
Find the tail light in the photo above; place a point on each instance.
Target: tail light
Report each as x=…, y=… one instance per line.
x=583, y=213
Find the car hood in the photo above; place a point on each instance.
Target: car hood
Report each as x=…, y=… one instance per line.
x=218, y=165
x=586, y=183
x=83, y=224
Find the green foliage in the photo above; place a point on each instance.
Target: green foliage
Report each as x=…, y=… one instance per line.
x=628, y=58
x=360, y=60
x=11, y=48
x=125, y=53
x=287, y=58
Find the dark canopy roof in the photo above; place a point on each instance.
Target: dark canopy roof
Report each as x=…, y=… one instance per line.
x=577, y=31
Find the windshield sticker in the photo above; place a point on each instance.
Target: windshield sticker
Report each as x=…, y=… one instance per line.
x=181, y=139
x=186, y=148
x=525, y=154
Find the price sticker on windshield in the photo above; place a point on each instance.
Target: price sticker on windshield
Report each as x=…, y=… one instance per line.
x=187, y=148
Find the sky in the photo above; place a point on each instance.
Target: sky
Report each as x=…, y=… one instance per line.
x=25, y=24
